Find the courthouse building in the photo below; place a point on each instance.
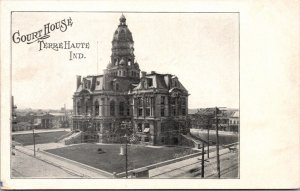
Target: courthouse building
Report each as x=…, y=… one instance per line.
x=153, y=106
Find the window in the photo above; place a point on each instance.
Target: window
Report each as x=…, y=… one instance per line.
x=139, y=102
x=121, y=108
x=183, y=101
x=132, y=73
x=102, y=106
x=86, y=107
x=146, y=139
x=98, y=82
x=162, y=139
x=173, y=100
x=78, y=108
x=162, y=128
x=183, y=111
x=140, y=128
x=148, y=101
x=147, y=112
x=112, y=108
x=128, y=107
x=173, y=111
x=96, y=108
x=162, y=100
x=150, y=82
x=140, y=113
x=124, y=73
x=148, y=104
x=162, y=112
x=128, y=110
x=117, y=87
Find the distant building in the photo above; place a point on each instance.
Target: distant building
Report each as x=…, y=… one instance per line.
x=154, y=104
x=228, y=119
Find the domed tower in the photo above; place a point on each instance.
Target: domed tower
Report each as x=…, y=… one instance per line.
x=122, y=58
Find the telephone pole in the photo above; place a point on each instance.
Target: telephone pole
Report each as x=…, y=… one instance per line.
x=208, y=137
x=33, y=135
x=202, y=161
x=217, y=133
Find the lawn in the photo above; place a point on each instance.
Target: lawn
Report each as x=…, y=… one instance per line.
x=111, y=161
x=47, y=137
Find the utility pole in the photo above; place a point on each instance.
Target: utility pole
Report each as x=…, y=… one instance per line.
x=126, y=156
x=33, y=140
x=217, y=133
x=208, y=137
x=202, y=161
x=126, y=147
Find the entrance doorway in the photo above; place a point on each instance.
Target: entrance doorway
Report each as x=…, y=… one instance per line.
x=175, y=140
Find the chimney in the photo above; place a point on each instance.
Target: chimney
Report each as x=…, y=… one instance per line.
x=143, y=74
x=78, y=81
x=153, y=72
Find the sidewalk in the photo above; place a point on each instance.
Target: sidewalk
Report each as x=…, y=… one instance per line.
x=65, y=164
x=40, y=131
x=191, y=168
x=24, y=166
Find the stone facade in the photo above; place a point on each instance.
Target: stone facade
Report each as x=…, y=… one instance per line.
x=155, y=105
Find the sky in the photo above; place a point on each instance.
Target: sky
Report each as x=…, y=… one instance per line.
x=201, y=49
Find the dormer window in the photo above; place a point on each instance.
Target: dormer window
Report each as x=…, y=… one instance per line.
x=150, y=82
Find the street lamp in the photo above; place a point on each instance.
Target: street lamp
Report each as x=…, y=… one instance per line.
x=126, y=124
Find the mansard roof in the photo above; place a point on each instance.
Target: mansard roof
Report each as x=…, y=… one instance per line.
x=160, y=81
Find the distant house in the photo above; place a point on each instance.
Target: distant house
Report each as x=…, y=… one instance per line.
x=43, y=121
x=234, y=121
x=51, y=120
x=60, y=120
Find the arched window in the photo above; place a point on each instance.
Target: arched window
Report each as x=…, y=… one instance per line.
x=86, y=107
x=78, y=108
x=112, y=108
x=121, y=109
x=96, y=108
x=102, y=107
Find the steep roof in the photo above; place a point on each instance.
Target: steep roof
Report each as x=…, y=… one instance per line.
x=160, y=81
